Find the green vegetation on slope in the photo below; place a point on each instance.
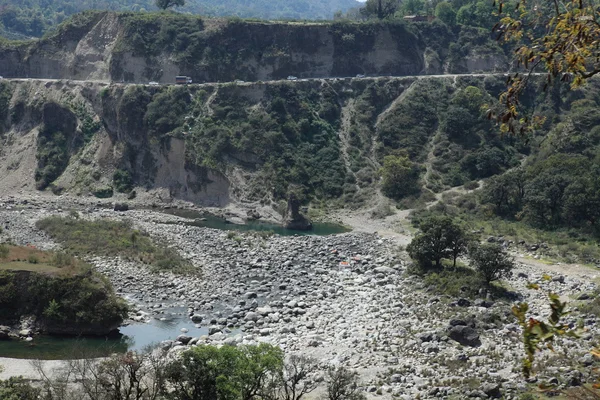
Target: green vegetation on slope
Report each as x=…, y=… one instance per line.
x=112, y=238
x=63, y=293
x=553, y=196
x=35, y=17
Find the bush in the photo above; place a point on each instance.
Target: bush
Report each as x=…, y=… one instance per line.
x=104, y=193
x=400, y=177
x=342, y=384
x=17, y=389
x=122, y=181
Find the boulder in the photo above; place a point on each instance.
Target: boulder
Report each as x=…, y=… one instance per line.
x=184, y=339
x=464, y=335
x=213, y=330
x=196, y=318
x=121, y=207
x=492, y=390
x=4, y=331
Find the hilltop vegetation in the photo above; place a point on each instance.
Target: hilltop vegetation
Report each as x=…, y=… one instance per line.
x=61, y=292
x=32, y=18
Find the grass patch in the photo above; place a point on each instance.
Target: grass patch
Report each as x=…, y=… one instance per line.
x=113, y=238
x=28, y=258
x=461, y=281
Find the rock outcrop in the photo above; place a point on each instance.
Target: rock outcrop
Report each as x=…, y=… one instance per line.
x=294, y=218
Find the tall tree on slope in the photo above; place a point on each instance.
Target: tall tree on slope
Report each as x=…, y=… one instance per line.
x=164, y=4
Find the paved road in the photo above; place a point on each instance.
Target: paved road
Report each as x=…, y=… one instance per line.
x=243, y=83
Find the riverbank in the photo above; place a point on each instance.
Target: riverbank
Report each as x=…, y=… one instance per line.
x=345, y=299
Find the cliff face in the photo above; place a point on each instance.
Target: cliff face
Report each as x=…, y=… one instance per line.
x=129, y=47
x=244, y=142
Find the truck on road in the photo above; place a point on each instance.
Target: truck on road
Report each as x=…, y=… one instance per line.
x=183, y=80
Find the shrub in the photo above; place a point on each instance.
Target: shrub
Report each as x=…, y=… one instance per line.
x=104, y=193
x=122, y=181
x=342, y=385
x=400, y=176
x=17, y=389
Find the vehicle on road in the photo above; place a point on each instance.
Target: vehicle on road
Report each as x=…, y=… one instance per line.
x=292, y=78
x=183, y=80
x=360, y=75
x=153, y=83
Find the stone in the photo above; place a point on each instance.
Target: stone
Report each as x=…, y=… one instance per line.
x=121, y=207
x=384, y=270
x=213, y=329
x=196, y=318
x=251, y=316
x=492, y=390
x=4, y=331
x=184, y=339
x=25, y=332
x=463, y=303
x=464, y=335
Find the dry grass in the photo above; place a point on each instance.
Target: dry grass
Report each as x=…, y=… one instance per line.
x=29, y=258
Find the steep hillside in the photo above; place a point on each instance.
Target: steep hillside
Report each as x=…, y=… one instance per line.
x=252, y=142
x=141, y=47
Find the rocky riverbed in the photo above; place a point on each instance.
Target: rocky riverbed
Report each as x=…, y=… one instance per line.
x=345, y=299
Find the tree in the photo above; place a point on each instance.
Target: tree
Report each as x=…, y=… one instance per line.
x=380, y=8
x=458, y=241
x=491, y=261
x=440, y=237
x=560, y=37
x=164, y=4
x=293, y=381
x=342, y=385
x=400, y=176
x=445, y=13
x=255, y=366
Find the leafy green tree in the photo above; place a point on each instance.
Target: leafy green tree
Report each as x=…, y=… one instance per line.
x=445, y=13
x=400, y=176
x=164, y=4
x=412, y=7
x=255, y=366
x=441, y=237
x=380, y=8
x=226, y=373
x=491, y=261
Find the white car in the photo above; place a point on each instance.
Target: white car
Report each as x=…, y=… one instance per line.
x=292, y=78
x=360, y=76
x=153, y=83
